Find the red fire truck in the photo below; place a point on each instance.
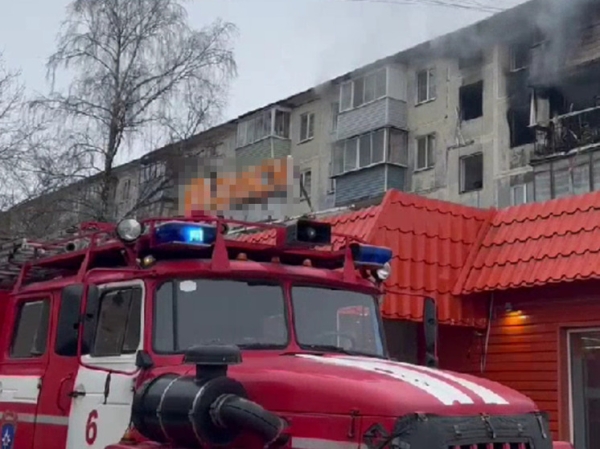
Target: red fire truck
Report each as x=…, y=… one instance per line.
x=168, y=333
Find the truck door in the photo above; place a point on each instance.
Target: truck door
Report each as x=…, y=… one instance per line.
x=113, y=330
x=25, y=356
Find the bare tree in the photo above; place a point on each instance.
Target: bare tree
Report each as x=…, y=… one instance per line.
x=137, y=68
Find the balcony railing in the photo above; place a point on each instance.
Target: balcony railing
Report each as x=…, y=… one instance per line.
x=564, y=133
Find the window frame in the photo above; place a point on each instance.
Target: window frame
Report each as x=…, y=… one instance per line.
x=430, y=73
x=428, y=149
x=18, y=310
x=283, y=286
x=513, y=49
x=99, y=359
x=527, y=193
x=309, y=117
x=351, y=84
x=247, y=127
x=335, y=115
x=341, y=148
x=463, y=172
x=303, y=175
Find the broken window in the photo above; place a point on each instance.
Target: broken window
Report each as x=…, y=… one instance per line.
x=520, y=54
x=306, y=184
x=518, y=123
x=471, y=101
x=471, y=172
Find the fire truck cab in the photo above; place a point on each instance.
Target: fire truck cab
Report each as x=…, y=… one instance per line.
x=166, y=333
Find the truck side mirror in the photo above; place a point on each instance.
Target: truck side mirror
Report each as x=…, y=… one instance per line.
x=430, y=324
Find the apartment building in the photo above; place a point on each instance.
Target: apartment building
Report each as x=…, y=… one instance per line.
x=503, y=112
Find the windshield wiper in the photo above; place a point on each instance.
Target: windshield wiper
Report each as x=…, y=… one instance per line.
x=340, y=350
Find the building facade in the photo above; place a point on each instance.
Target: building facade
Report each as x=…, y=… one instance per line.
x=500, y=113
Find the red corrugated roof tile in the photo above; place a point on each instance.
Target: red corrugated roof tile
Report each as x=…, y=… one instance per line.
x=431, y=241
x=537, y=244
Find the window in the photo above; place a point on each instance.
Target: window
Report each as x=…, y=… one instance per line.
x=345, y=319
x=305, y=184
x=363, y=90
x=471, y=101
x=203, y=311
x=307, y=126
x=425, y=152
x=519, y=56
x=331, y=187
x=471, y=172
x=521, y=194
x=335, y=112
x=125, y=189
x=426, y=85
x=262, y=125
x=30, y=335
x=359, y=152
x=518, y=123
x=282, y=124
x=119, y=322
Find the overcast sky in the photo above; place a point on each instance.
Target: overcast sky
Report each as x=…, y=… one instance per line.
x=283, y=46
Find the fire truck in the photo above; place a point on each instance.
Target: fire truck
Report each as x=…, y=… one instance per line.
x=169, y=333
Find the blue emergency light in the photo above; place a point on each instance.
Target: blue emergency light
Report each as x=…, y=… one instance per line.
x=186, y=233
x=371, y=256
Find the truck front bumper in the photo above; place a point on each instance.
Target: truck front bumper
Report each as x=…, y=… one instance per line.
x=423, y=431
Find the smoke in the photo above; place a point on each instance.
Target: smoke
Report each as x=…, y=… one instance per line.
x=559, y=23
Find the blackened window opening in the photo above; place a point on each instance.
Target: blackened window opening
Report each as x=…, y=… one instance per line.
x=471, y=172
x=520, y=131
x=471, y=101
x=208, y=311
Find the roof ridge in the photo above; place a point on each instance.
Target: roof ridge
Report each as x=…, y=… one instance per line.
x=469, y=263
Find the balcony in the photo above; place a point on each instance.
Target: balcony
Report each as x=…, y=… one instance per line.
x=576, y=130
x=377, y=114
x=262, y=136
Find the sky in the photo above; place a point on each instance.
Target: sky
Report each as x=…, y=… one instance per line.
x=282, y=46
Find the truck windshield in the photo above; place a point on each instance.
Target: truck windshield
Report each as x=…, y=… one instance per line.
x=336, y=320
x=204, y=311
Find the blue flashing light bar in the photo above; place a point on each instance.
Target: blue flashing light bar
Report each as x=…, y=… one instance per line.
x=372, y=256
x=186, y=233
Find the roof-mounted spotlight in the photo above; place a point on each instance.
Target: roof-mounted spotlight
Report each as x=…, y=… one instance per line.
x=129, y=230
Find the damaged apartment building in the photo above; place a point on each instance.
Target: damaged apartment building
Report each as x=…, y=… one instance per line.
x=559, y=68
x=503, y=112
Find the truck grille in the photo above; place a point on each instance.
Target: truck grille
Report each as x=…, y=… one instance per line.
x=493, y=446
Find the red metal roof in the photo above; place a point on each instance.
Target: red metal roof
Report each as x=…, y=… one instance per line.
x=537, y=244
x=448, y=251
x=431, y=241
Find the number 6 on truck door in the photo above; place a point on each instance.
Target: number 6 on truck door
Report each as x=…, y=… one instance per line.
x=101, y=407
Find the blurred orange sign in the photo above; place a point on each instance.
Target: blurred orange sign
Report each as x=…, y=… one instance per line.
x=254, y=184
